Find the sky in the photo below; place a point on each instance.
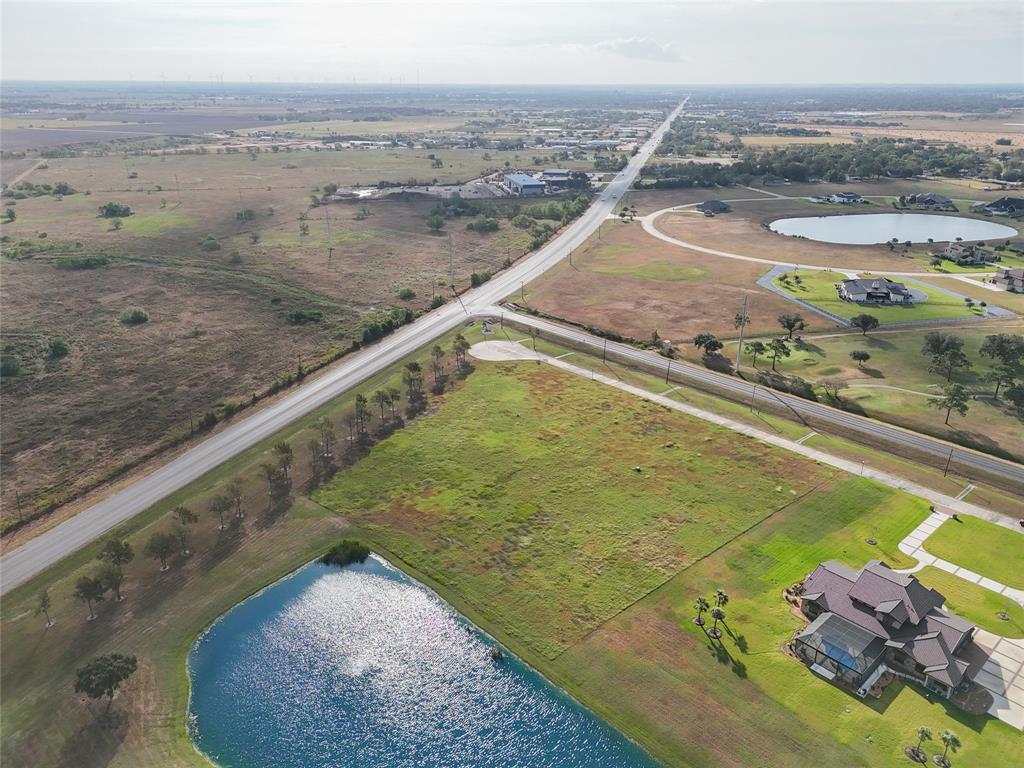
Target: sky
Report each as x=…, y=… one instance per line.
x=518, y=41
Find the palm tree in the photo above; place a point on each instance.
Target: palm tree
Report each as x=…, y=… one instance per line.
x=394, y=398
x=721, y=598
x=219, y=505
x=701, y=604
x=718, y=615
x=924, y=733
x=949, y=741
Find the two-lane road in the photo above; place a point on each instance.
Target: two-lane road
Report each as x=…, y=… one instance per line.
x=51, y=546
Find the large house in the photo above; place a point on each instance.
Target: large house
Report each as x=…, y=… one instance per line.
x=864, y=622
x=929, y=199
x=879, y=290
x=521, y=185
x=1005, y=206
x=712, y=207
x=1010, y=279
x=967, y=254
x=845, y=198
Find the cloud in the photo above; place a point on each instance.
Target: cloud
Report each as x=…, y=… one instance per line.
x=641, y=48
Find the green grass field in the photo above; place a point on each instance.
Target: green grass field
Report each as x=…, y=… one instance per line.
x=517, y=500
x=818, y=288
x=975, y=603
x=552, y=531
x=982, y=547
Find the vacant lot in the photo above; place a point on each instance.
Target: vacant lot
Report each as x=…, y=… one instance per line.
x=633, y=283
x=234, y=303
x=553, y=532
x=982, y=547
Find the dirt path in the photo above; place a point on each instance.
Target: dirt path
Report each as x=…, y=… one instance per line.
x=24, y=174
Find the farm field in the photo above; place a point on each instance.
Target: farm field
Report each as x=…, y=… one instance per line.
x=819, y=289
x=633, y=283
x=981, y=547
x=971, y=130
x=234, y=305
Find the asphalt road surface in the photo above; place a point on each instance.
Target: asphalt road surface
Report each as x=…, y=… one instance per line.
x=49, y=547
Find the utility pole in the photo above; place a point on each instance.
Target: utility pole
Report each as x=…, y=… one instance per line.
x=948, y=460
x=451, y=261
x=668, y=371
x=743, y=324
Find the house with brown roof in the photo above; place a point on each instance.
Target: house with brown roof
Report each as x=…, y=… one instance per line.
x=967, y=254
x=866, y=622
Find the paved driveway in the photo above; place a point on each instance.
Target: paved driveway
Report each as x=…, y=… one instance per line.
x=1003, y=676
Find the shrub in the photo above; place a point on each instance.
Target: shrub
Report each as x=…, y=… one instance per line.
x=479, y=278
x=346, y=552
x=234, y=258
x=437, y=301
x=210, y=244
x=10, y=365
x=81, y=262
x=483, y=226
x=59, y=348
x=134, y=316
x=303, y=316
x=115, y=211
x=407, y=294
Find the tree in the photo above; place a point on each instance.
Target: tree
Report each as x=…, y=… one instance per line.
x=436, y=356
x=104, y=675
x=924, y=733
x=946, y=352
x=999, y=375
x=791, y=323
x=755, y=349
x=89, y=590
x=185, y=518
x=1008, y=348
x=1015, y=394
x=864, y=322
x=116, y=551
x=860, y=356
x=303, y=229
x=459, y=348
x=412, y=377
x=112, y=577
x=381, y=398
x=10, y=215
x=362, y=415
x=234, y=492
x=220, y=505
x=58, y=348
x=285, y=456
x=778, y=348
x=435, y=222
x=954, y=398
x=718, y=615
x=700, y=605
x=949, y=741
x=326, y=429
x=160, y=547
x=43, y=606
x=740, y=319
x=721, y=598
x=394, y=398
x=707, y=343
x=114, y=211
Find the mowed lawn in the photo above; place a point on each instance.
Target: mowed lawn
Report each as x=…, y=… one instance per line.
x=550, y=503
x=818, y=288
x=976, y=603
x=747, y=703
x=982, y=547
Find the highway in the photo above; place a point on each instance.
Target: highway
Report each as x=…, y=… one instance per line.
x=747, y=392
x=46, y=549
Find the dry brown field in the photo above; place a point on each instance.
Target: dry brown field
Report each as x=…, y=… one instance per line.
x=633, y=283
x=979, y=131
x=219, y=327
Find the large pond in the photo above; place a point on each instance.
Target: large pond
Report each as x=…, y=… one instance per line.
x=362, y=666
x=871, y=228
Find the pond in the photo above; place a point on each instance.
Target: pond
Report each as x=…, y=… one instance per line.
x=871, y=228
x=362, y=666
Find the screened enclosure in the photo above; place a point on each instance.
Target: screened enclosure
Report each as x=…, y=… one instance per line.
x=839, y=646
